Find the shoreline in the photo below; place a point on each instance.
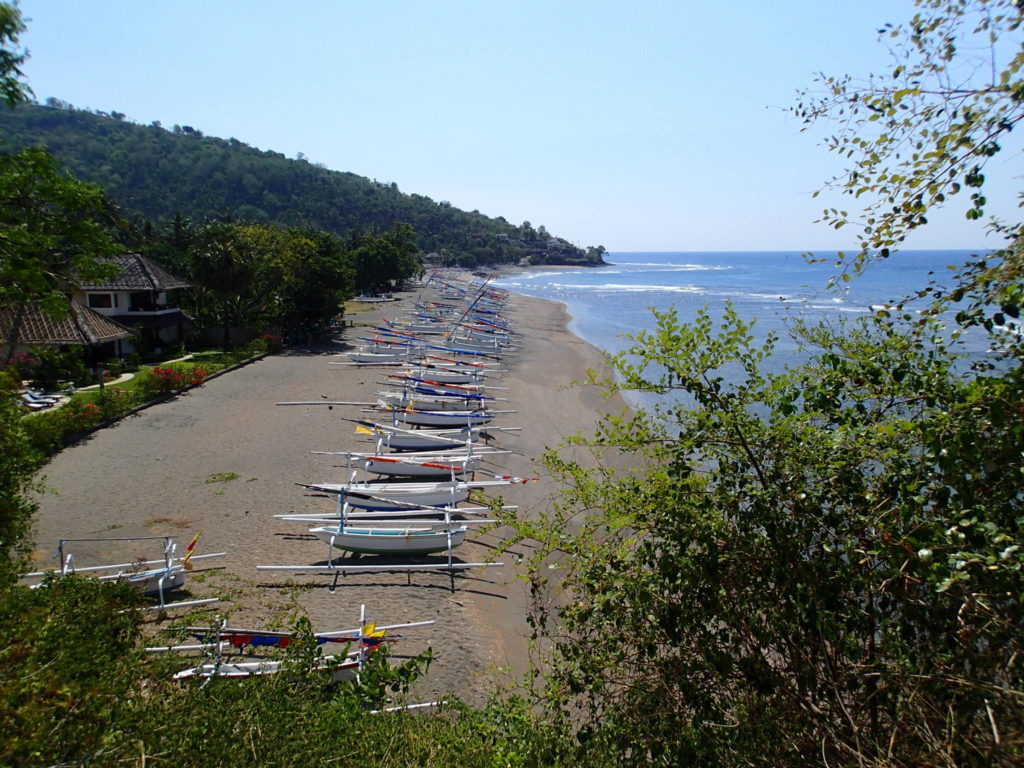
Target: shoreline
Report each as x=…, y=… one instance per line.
x=155, y=472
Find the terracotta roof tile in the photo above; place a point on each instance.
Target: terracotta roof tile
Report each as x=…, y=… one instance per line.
x=137, y=274
x=80, y=326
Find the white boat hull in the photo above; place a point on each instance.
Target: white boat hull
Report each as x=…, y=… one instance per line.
x=391, y=541
x=398, y=496
x=154, y=582
x=438, y=467
x=456, y=438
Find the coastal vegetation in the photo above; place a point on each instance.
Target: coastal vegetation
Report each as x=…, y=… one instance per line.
x=822, y=565
x=156, y=176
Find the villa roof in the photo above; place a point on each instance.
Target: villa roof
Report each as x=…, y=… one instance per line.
x=137, y=274
x=81, y=326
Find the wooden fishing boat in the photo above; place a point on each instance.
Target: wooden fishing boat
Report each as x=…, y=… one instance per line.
x=344, y=666
x=396, y=496
x=424, y=466
x=405, y=440
x=423, y=401
x=159, y=582
x=391, y=541
x=465, y=418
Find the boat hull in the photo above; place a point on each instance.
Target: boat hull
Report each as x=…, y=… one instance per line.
x=447, y=377
x=152, y=583
x=391, y=501
x=443, y=418
x=390, y=541
x=340, y=671
x=436, y=467
x=402, y=442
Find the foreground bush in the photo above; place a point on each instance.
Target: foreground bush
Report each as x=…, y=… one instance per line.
x=76, y=691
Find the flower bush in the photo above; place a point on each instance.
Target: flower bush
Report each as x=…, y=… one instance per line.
x=51, y=431
x=81, y=416
x=167, y=380
x=24, y=363
x=274, y=341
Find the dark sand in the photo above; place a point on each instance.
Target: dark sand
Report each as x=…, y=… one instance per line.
x=148, y=475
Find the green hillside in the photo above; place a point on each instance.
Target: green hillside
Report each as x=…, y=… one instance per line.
x=153, y=174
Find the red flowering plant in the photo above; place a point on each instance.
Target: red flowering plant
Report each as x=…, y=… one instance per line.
x=168, y=380
x=81, y=416
x=274, y=341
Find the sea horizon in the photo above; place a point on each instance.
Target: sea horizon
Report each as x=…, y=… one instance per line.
x=771, y=287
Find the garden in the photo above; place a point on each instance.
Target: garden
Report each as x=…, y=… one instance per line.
x=96, y=406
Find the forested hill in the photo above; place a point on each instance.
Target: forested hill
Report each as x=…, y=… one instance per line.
x=153, y=174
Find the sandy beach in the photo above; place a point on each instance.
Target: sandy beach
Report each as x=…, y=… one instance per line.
x=166, y=470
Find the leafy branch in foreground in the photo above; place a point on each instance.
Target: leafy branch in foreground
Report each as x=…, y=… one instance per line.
x=823, y=561
x=923, y=133
x=13, y=89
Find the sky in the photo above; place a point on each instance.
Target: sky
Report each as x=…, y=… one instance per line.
x=641, y=125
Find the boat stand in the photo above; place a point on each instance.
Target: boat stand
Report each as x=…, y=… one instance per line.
x=341, y=570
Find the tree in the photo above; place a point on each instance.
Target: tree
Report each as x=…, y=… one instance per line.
x=12, y=88
x=232, y=275
x=382, y=260
x=823, y=561
x=52, y=236
x=50, y=232
x=17, y=470
x=826, y=561
x=315, y=279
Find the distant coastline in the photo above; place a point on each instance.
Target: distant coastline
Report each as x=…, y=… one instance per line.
x=772, y=287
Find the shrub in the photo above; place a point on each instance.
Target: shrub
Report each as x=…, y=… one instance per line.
x=257, y=347
x=68, y=666
x=49, y=432
x=114, y=402
x=53, y=366
x=80, y=415
x=273, y=341
x=166, y=379
x=24, y=363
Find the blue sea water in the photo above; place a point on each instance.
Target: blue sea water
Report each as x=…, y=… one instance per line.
x=607, y=302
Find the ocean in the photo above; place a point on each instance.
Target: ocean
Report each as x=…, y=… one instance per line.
x=771, y=286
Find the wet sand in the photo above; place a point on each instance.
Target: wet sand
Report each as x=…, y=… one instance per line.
x=166, y=471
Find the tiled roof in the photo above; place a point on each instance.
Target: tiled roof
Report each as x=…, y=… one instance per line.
x=137, y=274
x=80, y=326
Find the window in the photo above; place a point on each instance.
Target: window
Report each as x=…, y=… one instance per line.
x=100, y=301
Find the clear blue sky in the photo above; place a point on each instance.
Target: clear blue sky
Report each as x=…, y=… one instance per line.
x=642, y=125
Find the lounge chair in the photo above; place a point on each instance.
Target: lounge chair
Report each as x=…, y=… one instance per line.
x=33, y=396
x=35, y=406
